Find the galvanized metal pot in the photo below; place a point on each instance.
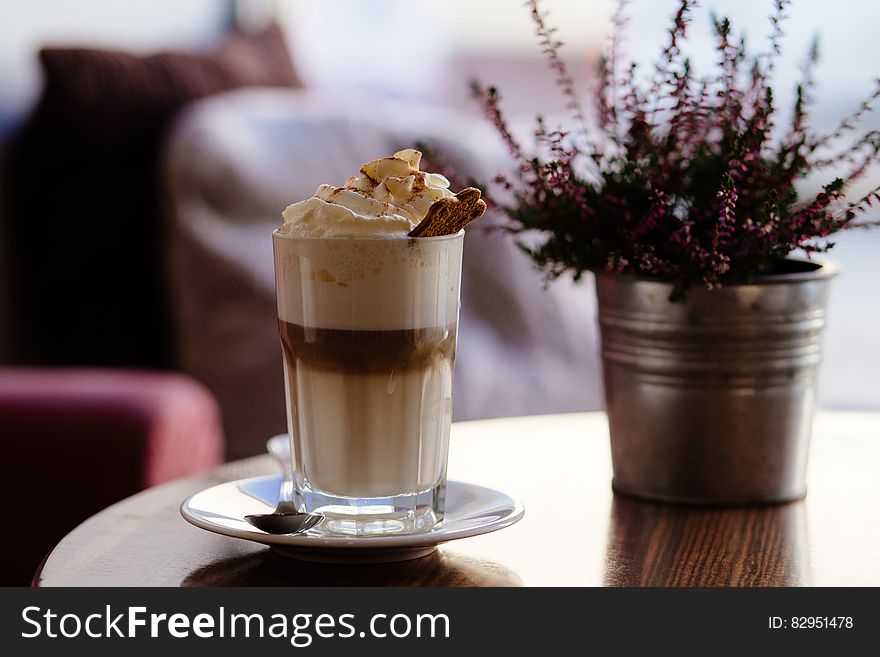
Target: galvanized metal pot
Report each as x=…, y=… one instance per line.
x=710, y=400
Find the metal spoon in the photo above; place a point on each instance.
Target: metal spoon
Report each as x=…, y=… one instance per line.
x=285, y=519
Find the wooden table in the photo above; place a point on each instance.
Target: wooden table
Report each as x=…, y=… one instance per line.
x=575, y=531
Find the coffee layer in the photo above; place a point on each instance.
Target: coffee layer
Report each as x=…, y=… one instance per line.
x=367, y=352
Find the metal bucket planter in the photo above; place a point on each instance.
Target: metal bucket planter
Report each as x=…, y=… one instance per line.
x=710, y=400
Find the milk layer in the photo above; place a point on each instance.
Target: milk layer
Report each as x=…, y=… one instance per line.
x=368, y=284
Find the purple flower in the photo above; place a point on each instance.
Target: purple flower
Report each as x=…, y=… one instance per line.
x=688, y=183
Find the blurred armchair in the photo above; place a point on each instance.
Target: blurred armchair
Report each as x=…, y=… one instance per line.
x=75, y=441
x=235, y=161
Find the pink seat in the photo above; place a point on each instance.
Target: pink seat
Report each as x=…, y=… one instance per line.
x=74, y=441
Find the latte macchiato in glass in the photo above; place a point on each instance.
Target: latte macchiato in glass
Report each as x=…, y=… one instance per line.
x=368, y=319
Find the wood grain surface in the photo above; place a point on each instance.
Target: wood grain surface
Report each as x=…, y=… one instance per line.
x=575, y=531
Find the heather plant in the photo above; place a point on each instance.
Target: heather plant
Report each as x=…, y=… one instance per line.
x=682, y=177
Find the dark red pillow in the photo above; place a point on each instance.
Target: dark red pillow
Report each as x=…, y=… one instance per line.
x=85, y=221
x=110, y=93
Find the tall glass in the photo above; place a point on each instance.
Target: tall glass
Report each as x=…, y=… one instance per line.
x=368, y=330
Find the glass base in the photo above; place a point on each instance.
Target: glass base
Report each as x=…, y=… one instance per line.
x=374, y=516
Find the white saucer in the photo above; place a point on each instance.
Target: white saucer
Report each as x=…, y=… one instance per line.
x=470, y=511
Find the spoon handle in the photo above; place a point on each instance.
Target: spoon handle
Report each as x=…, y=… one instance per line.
x=286, y=492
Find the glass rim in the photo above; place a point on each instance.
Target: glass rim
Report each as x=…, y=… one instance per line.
x=404, y=238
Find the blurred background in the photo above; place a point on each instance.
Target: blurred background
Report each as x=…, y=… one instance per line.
x=147, y=149
x=92, y=96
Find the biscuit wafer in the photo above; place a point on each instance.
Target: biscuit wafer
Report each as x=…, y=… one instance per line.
x=449, y=215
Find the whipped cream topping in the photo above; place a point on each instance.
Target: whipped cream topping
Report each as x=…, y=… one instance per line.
x=387, y=198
